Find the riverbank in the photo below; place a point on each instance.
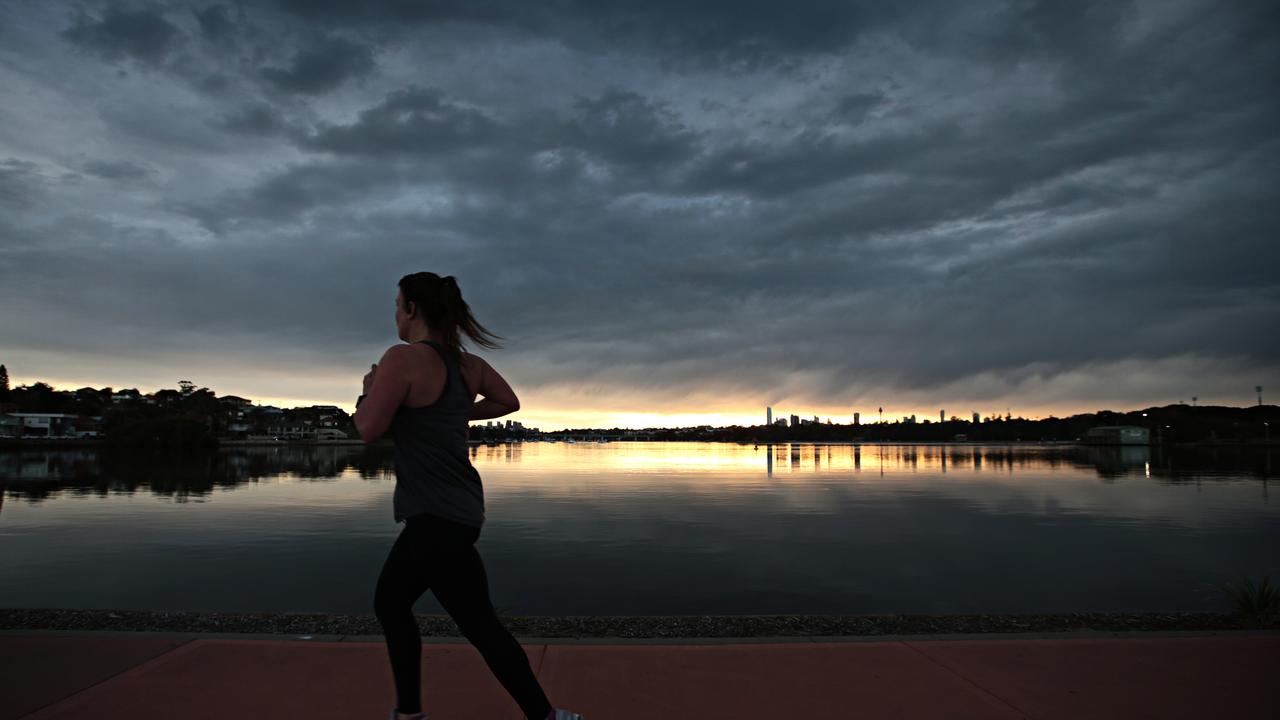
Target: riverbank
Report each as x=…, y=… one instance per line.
x=628, y=626
x=37, y=442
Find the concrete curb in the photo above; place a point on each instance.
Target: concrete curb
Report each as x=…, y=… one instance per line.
x=445, y=640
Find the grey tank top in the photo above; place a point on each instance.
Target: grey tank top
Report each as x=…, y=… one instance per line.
x=434, y=476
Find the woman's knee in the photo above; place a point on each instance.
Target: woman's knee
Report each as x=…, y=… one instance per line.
x=479, y=624
x=388, y=602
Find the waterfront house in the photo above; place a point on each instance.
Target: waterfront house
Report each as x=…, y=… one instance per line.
x=48, y=424
x=1117, y=435
x=10, y=426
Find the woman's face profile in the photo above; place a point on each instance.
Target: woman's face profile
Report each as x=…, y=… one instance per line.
x=404, y=323
x=401, y=324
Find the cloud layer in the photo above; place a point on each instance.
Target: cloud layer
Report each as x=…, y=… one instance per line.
x=668, y=208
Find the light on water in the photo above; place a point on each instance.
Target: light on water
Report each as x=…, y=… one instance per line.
x=654, y=528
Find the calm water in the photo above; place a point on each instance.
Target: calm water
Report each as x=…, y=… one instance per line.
x=655, y=528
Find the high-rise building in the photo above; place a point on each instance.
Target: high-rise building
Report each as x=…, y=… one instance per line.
x=942, y=415
x=795, y=420
x=855, y=419
x=768, y=416
x=976, y=419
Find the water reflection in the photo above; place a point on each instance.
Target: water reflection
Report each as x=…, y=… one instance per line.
x=37, y=473
x=731, y=528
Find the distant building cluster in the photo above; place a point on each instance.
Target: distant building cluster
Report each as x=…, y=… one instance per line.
x=507, y=425
x=796, y=420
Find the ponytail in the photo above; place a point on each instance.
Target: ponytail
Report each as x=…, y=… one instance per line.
x=440, y=300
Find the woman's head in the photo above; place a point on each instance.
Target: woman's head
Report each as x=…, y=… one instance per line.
x=436, y=303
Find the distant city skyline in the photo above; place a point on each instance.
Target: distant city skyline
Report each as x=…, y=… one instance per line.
x=551, y=422
x=673, y=213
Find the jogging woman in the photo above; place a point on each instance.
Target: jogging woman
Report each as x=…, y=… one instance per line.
x=423, y=393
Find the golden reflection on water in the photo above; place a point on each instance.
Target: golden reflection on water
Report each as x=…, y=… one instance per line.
x=648, y=456
x=787, y=458
x=245, y=484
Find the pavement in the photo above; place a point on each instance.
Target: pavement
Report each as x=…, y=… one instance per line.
x=51, y=675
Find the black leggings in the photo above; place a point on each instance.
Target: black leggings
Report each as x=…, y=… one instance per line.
x=432, y=552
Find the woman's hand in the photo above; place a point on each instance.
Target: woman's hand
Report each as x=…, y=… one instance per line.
x=368, y=379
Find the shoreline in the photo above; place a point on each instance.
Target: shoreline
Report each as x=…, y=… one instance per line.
x=6, y=443
x=629, y=626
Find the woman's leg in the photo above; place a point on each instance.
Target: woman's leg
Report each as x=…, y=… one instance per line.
x=462, y=587
x=406, y=574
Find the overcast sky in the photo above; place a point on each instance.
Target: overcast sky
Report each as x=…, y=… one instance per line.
x=674, y=212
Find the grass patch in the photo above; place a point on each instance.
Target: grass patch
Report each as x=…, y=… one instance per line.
x=1261, y=601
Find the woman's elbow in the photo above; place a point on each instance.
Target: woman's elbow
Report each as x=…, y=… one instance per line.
x=369, y=434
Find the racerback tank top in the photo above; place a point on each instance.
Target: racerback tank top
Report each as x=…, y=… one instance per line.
x=434, y=476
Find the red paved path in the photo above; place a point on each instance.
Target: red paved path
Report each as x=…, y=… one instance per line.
x=48, y=676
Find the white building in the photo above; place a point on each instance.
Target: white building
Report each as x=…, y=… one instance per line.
x=50, y=425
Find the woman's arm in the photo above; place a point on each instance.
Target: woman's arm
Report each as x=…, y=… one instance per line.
x=499, y=398
x=384, y=396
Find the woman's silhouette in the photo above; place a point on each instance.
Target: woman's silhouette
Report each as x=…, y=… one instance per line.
x=424, y=393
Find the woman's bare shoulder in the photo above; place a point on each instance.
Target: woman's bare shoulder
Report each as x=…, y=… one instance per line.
x=471, y=360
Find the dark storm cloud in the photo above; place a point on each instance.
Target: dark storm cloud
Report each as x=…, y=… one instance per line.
x=413, y=120
x=321, y=67
x=528, y=162
x=143, y=35
x=743, y=33
x=286, y=194
x=15, y=182
x=616, y=126
x=626, y=128
x=854, y=108
x=258, y=119
x=118, y=170
x=814, y=202
x=216, y=23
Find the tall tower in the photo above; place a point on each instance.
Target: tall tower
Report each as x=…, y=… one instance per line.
x=976, y=419
x=1259, y=389
x=768, y=416
x=942, y=415
x=855, y=419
